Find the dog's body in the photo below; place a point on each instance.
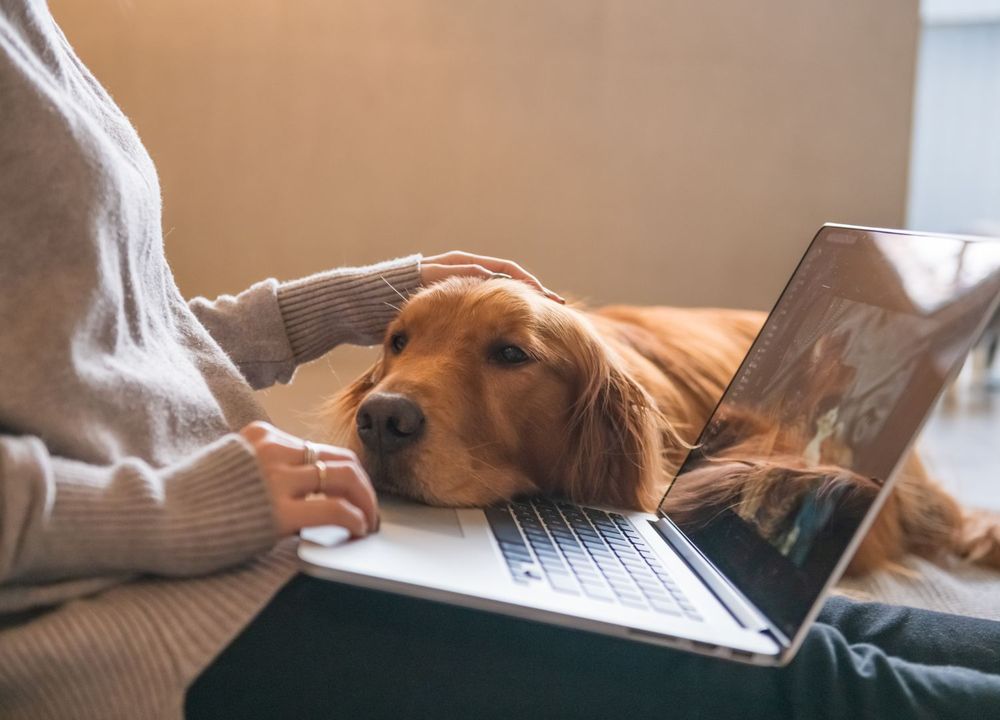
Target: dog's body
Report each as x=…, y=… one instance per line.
x=486, y=391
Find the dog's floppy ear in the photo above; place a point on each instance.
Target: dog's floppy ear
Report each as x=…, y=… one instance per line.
x=342, y=407
x=615, y=449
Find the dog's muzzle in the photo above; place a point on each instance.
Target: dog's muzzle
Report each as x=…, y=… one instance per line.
x=389, y=422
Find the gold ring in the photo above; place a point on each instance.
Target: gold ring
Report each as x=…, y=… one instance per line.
x=308, y=453
x=320, y=477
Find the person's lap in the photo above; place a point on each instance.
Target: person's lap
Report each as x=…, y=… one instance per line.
x=321, y=649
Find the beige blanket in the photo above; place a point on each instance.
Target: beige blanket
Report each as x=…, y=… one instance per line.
x=956, y=588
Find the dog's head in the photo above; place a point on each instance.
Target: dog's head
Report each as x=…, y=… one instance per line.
x=486, y=390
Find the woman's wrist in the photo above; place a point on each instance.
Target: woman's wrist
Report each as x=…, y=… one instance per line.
x=208, y=511
x=345, y=305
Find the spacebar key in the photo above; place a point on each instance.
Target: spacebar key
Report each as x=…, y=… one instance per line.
x=503, y=525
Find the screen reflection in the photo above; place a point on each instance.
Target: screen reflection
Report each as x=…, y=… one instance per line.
x=825, y=404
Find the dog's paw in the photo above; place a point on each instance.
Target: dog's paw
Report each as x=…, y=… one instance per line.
x=981, y=539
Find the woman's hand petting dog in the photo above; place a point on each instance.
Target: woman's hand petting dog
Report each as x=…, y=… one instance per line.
x=312, y=484
x=461, y=264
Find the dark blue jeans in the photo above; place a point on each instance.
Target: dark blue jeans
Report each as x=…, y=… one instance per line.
x=324, y=650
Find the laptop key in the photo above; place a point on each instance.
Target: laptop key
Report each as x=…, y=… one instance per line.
x=620, y=584
x=543, y=552
x=635, y=602
x=564, y=584
x=649, y=581
x=598, y=593
x=512, y=556
x=621, y=588
x=503, y=526
x=530, y=573
x=665, y=608
x=609, y=562
x=634, y=566
x=517, y=560
x=649, y=584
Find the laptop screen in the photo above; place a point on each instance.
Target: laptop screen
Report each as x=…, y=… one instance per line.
x=826, y=403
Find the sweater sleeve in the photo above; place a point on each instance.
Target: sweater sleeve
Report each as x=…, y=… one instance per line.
x=271, y=328
x=61, y=519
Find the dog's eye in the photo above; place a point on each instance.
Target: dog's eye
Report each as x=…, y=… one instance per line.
x=511, y=355
x=398, y=342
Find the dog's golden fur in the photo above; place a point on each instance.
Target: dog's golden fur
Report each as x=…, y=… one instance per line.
x=603, y=412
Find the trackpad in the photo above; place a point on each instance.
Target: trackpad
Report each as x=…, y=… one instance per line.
x=417, y=516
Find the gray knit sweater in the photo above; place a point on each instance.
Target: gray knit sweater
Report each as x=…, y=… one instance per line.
x=136, y=535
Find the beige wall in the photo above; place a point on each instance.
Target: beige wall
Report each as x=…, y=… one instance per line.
x=639, y=151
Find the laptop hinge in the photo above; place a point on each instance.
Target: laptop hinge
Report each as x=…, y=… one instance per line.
x=732, y=599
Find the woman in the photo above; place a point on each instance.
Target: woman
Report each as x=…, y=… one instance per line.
x=142, y=498
x=119, y=402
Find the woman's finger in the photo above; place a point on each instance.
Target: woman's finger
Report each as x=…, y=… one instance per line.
x=343, y=479
x=517, y=272
x=335, y=454
x=280, y=447
x=435, y=272
x=293, y=515
x=452, y=257
x=439, y=267
x=432, y=273
x=491, y=265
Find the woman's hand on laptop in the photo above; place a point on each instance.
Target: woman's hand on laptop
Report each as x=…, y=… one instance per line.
x=312, y=484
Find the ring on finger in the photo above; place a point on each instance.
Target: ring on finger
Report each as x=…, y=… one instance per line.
x=320, y=477
x=309, y=455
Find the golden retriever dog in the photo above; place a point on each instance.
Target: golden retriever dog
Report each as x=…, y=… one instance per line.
x=486, y=391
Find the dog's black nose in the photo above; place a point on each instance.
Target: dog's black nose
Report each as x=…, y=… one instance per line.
x=388, y=422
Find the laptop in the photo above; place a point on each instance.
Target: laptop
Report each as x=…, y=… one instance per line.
x=883, y=317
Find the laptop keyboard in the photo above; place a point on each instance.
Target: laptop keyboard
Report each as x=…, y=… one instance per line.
x=584, y=551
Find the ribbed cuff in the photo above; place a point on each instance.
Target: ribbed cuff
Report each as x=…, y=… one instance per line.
x=207, y=512
x=346, y=305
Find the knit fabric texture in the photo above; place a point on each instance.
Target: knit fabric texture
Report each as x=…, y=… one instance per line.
x=136, y=533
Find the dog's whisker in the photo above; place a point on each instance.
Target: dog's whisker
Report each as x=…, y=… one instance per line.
x=386, y=302
x=482, y=445
x=394, y=289
x=496, y=494
x=491, y=467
